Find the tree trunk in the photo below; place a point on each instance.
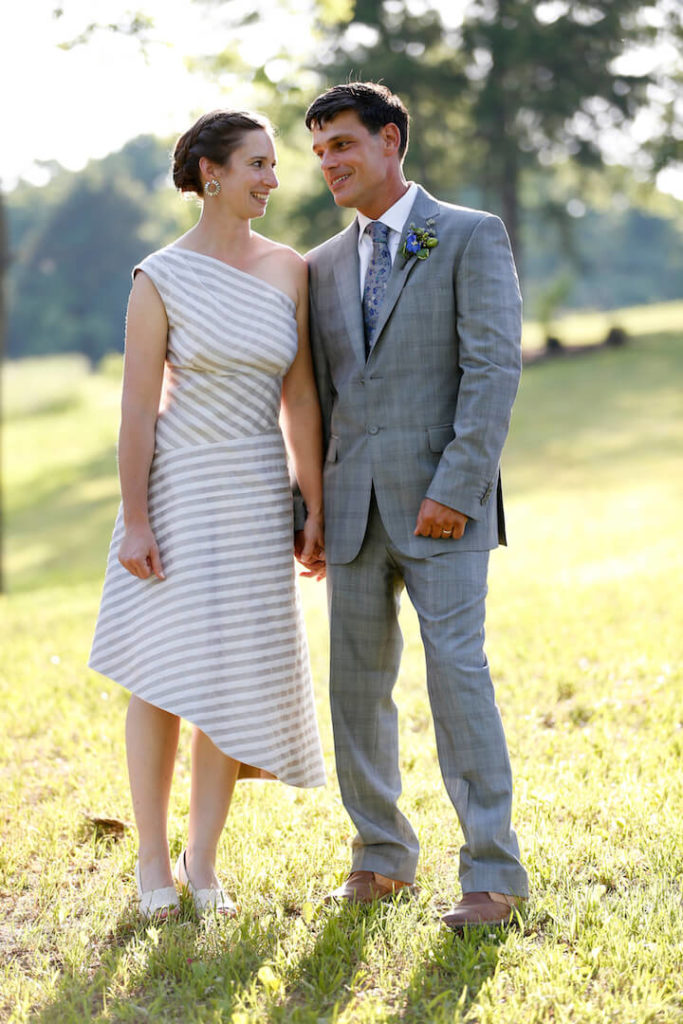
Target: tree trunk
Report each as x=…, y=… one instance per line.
x=509, y=203
x=4, y=265
x=504, y=141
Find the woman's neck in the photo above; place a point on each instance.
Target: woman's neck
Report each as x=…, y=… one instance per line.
x=221, y=234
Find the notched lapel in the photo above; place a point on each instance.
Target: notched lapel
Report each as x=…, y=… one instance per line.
x=422, y=210
x=347, y=278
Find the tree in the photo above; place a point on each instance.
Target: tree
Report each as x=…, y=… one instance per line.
x=74, y=242
x=518, y=84
x=71, y=283
x=547, y=88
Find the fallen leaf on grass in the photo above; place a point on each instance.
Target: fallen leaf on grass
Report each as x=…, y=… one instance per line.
x=113, y=827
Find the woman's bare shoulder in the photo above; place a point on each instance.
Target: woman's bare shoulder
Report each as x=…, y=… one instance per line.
x=279, y=252
x=284, y=267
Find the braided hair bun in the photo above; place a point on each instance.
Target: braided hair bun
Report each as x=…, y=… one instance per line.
x=216, y=136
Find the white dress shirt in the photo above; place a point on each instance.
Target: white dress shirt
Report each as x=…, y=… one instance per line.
x=394, y=218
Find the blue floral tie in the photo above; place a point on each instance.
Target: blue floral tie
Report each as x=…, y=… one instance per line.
x=376, y=279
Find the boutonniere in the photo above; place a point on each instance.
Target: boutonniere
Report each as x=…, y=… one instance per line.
x=420, y=241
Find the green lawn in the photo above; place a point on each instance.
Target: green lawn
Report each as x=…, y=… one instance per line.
x=584, y=637
x=592, y=328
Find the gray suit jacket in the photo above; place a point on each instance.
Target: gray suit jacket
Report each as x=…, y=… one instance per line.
x=427, y=414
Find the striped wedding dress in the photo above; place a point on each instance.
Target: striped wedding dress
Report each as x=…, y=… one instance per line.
x=220, y=641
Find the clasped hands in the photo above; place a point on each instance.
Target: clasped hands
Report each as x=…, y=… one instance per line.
x=309, y=548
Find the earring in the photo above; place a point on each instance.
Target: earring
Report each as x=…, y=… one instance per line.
x=212, y=188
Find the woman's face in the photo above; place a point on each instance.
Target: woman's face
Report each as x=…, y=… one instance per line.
x=249, y=176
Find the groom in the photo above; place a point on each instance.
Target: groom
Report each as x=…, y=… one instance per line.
x=415, y=332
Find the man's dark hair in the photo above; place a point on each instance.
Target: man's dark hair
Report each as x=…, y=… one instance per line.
x=374, y=104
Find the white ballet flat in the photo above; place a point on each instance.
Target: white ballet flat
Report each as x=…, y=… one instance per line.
x=158, y=903
x=204, y=899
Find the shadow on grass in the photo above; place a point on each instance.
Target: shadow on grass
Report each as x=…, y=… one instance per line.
x=62, y=525
x=188, y=971
x=341, y=969
x=181, y=971
x=446, y=981
x=330, y=975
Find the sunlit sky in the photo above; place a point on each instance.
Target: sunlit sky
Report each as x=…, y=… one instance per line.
x=71, y=106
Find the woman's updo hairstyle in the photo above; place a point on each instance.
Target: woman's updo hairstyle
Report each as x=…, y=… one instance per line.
x=216, y=136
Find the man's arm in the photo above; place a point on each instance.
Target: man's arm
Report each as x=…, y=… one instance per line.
x=489, y=333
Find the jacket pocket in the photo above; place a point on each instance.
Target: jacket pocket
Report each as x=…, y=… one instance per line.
x=440, y=437
x=332, y=449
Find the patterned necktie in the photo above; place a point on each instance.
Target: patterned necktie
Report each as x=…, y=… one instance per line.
x=376, y=279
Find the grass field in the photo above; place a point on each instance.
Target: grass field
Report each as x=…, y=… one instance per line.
x=584, y=637
x=592, y=328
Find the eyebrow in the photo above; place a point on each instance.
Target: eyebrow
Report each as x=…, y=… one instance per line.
x=335, y=138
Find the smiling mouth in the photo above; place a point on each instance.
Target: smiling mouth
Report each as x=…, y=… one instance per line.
x=336, y=182
x=262, y=197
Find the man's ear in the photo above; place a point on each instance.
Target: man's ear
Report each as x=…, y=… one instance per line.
x=392, y=138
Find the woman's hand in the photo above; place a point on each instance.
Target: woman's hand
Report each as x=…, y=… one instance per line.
x=139, y=553
x=309, y=548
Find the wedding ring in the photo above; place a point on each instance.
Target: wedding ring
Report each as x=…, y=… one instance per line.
x=446, y=533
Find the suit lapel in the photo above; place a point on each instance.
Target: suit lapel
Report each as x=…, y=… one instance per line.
x=347, y=278
x=423, y=208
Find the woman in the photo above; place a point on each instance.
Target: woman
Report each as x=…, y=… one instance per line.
x=200, y=616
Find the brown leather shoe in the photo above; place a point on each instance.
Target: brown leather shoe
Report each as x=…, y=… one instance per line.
x=477, y=908
x=366, y=887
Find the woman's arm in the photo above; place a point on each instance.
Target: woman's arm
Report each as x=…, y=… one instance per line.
x=146, y=333
x=302, y=429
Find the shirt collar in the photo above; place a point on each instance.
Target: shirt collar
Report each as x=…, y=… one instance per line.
x=396, y=216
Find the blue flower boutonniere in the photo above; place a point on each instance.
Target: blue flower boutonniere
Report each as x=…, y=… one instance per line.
x=419, y=241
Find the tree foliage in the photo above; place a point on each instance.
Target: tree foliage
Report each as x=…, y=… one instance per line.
x=75, y=241
x=507, y=107
x=73, y=244
x=519, y=84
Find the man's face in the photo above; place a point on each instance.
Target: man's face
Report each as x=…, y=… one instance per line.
x=355, y=163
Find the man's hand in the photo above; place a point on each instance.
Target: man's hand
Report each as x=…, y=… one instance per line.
x=439, y=521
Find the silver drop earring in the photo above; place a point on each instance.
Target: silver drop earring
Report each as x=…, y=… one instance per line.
x=212, y=187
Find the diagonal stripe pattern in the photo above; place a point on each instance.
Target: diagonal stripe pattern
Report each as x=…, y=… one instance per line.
x=220, y=641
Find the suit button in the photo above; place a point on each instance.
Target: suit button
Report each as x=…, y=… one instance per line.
x=373, y=430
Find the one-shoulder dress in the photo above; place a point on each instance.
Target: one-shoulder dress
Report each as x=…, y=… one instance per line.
x=219, y=642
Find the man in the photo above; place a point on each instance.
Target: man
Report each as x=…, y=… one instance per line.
x=416, y=342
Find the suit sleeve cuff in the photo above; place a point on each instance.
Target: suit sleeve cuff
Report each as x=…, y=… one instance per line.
x=470, y=497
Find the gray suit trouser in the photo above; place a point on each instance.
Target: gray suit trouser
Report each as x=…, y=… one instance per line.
x=448, y=592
